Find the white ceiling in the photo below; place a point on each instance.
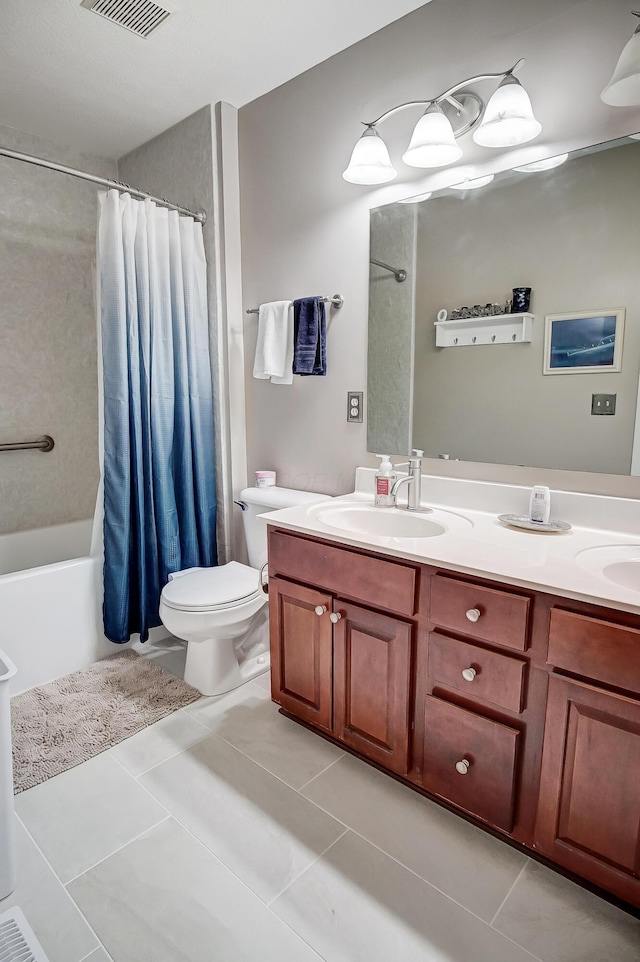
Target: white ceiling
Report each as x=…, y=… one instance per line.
x=73, y=77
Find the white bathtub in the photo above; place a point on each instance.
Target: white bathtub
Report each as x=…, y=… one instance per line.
x=50, y=603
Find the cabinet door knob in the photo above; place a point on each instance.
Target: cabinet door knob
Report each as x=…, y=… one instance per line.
x=462, y=767
x=335, y=617
x=473, y=614
x=469, y=674
x=320, y=610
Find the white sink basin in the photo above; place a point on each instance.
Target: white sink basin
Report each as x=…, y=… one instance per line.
x=618, y=563
x=388, y=522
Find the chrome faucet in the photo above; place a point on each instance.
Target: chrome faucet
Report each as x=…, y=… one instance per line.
x=414, y=480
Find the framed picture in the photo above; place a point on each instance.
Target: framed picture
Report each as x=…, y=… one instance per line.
x=583, y=342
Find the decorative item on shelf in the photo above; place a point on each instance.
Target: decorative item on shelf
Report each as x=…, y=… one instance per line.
x=461, y=313
x=623, y=90
x=521, y=299
x=505, y=121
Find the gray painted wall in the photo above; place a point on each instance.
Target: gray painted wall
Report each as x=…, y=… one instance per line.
x=48, y=360
x=571, y=235
x=306, y=231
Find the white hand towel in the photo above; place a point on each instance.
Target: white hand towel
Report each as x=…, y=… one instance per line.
x=274, y=348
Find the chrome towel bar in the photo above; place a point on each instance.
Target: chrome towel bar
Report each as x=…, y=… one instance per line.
x=336, y=302
x=45, y=443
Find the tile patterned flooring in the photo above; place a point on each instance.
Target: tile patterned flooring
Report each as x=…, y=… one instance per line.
x=227, y=833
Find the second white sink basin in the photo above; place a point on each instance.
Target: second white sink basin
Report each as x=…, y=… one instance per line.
x=388, y=522
x=618, y=563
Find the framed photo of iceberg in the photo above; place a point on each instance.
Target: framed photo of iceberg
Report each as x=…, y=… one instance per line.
x=583, y=342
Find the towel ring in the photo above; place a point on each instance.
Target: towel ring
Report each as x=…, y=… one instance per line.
x=264, y=584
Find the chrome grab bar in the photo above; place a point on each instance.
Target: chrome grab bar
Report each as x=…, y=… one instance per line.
x=45, y=443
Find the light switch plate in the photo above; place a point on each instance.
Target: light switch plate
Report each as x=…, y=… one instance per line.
x=603, y=403
x=354, y=406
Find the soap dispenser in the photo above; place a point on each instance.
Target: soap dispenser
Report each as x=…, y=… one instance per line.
x=384, y=481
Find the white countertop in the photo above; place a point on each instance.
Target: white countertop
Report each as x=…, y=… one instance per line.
x=477, y=543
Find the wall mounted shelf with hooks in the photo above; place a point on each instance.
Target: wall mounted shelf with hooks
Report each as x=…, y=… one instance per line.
x=473, y=331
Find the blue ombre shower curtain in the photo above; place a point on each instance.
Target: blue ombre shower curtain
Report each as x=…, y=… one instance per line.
x=159, y=473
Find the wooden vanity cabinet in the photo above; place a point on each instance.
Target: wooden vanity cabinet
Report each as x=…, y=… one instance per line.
x=302, y=651
x=338, y=665
x=471, y=687
x=589, y=809
x=518, y=708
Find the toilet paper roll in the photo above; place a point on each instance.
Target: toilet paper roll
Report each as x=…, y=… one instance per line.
x=442, y=314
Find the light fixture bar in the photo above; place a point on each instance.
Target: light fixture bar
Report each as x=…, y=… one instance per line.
x=446, y=95
x=505, y=121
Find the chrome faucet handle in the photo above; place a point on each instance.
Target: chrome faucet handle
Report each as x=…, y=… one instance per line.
x=416, y=454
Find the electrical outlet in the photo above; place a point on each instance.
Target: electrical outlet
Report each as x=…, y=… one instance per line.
x=354, y=406
x=603, y=403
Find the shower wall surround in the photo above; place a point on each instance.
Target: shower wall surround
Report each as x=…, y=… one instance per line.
x=48, y=373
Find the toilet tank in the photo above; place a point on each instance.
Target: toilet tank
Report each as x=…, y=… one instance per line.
x=261, y=500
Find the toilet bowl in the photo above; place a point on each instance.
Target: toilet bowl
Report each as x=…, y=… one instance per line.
x=210, y=608
x=221, y=612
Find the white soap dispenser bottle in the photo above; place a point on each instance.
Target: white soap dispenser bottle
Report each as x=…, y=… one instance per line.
x=384, y=481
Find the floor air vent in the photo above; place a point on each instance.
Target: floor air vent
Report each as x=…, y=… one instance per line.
x=17, y=941
x=139, y=16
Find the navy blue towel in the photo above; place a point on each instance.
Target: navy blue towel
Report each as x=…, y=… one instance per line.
x=309, y=337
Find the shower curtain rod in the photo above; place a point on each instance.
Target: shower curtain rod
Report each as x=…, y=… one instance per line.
x=200, y=215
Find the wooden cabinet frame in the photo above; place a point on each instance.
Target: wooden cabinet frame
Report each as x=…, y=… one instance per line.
x=367, y=683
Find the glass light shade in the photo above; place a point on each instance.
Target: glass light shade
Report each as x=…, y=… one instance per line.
x=432, y=142
x=370, y=162
x=508, y=118
x=473, y=184
x=548, y=164
x=623, y=90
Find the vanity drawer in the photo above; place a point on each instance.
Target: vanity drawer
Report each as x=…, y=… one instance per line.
x=485, y=752
x=502, y=616
x=495, y=678
x=597, y=649
x=373, y=581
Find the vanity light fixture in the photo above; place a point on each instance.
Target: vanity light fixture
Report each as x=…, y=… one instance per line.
x=623, y=90
x=548, y=164
x=506, y=121
x=473, y=184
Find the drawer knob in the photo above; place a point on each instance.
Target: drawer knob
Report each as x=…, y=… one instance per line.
x=320, y=610
x=473, y=614
x=335, y=617
x=469, y=674
x=462, y=767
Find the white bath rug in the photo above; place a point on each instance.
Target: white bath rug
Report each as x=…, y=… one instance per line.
x=59, y=725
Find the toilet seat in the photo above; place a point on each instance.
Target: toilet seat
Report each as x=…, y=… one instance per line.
x=212, y=589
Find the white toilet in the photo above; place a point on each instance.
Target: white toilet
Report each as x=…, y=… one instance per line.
x=221, y=612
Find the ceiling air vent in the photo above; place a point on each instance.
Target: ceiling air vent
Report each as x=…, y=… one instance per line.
x=139, y=16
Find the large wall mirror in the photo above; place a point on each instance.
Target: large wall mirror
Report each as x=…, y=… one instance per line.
x=571, y=234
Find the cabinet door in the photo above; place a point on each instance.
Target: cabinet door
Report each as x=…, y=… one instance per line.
x=301, y=651
x=372, y=658
x=589, y=810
